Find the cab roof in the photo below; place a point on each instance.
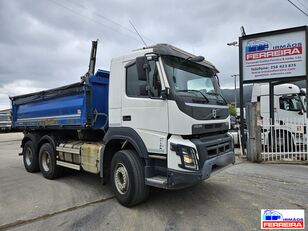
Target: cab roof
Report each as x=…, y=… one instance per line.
x=167, y=49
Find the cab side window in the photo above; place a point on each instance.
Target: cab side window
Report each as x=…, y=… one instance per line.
x=134, y=86
x=138, y=88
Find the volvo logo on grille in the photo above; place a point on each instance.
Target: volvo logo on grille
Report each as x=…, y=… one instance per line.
x=214, y=113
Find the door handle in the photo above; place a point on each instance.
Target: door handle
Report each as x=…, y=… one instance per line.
x=127, y=118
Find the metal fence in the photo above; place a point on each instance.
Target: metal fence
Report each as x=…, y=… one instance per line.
x=286, y=140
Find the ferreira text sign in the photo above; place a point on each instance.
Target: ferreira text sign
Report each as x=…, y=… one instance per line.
x=274, y=56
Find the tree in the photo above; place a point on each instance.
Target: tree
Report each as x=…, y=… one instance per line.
x=232, y=110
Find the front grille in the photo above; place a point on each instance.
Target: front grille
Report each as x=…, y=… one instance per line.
x=218, y=149
x=210, y=147
x=199, y=129
x=212, y=126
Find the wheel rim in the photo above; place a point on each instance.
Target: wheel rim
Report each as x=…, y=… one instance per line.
x=28, y=156
x=121, y=178
x=46, y=161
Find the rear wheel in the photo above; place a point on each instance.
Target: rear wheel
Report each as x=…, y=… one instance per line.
x=127, y=178
x=282, y=143
x=47, y=162
x=30, y=158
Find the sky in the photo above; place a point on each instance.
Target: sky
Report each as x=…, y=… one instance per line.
x=46, y=43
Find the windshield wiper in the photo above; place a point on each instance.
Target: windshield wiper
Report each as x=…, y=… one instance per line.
x=187, y=90
x=217, y=94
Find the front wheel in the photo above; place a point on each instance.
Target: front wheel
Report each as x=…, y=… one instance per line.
x=127, y=178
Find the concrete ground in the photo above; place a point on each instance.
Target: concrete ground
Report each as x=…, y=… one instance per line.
x=229, y=200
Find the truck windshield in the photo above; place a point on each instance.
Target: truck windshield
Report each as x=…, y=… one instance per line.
x=303, y=100
x=190, y=78
x=291, y=103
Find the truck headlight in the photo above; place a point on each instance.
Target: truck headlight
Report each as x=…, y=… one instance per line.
x=188, y=156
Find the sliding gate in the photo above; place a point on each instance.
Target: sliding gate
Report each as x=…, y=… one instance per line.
x=284, y=141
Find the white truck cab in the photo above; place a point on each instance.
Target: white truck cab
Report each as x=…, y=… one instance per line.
x=177, y=111
x=289, y=109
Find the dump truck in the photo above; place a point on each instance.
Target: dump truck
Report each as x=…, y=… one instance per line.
x=5, y=121
x=156, y=119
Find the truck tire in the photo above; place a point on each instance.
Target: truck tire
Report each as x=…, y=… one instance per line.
x=284, y=142
x=127, y=178
x=47, y=162
x=30, y=157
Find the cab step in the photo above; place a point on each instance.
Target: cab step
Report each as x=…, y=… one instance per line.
x=157, y=181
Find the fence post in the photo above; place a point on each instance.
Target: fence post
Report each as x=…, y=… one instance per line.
x=254, y=133
x=258, y=132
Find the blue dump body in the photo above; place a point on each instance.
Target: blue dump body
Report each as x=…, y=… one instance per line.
x=75, y=106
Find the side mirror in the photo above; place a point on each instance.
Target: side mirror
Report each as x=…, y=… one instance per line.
x=142, y=67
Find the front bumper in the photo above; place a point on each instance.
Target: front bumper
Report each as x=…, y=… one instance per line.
x=180, y=179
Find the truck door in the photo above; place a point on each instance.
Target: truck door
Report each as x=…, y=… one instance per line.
x=146, y=114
